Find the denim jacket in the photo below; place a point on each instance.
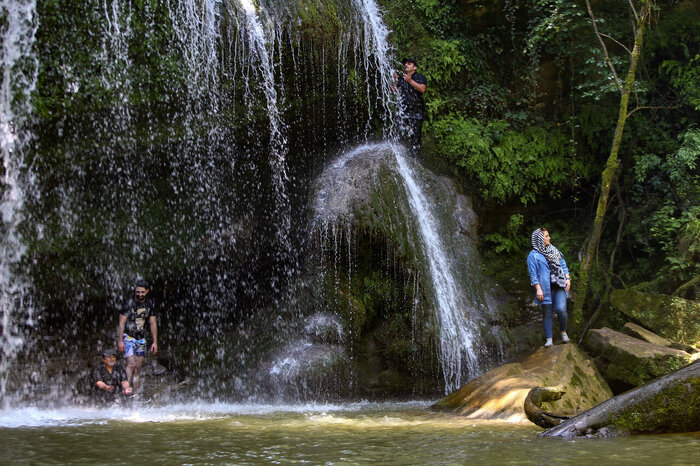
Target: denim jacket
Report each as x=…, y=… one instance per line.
x=538, y=268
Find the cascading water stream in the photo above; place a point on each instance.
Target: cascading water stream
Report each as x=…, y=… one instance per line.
x=19, y=72
x=258, y=44
x=198, y=35
x=378, y=49
x=457, y=352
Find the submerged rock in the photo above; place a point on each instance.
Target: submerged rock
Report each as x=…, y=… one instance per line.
x=501, y=392
x=303, y=370
x=628, y=362
x=324, y=327
x=671, y=317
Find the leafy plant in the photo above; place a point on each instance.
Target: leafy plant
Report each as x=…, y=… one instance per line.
x=505, y=163
x=509, y=239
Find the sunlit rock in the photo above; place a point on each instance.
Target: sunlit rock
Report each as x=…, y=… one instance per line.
x=635, y=331
x=501, y=392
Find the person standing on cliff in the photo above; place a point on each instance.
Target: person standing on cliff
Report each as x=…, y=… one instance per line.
x=131, y=331
x=411, y=88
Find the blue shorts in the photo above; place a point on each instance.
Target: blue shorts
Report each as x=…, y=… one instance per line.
x=134, y=347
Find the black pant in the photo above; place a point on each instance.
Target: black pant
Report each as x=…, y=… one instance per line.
x=411, y=130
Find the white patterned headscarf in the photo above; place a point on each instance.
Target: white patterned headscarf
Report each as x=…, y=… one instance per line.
x=553, y=256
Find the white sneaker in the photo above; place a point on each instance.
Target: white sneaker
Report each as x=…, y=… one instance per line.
x=548, y=343
x=565, y=337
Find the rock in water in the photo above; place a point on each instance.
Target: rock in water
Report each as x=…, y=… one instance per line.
x=533, y=406
x=501, y=392
x=668, y=404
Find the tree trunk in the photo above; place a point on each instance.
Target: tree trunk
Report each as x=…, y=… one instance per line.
x=608, y=173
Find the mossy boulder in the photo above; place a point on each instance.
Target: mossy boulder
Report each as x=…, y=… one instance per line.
x=628, y=362
x=669, y=404
x=501, y=392
x=635, y=331
x=671, y=317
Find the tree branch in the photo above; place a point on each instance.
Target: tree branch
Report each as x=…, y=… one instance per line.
x=617, y=42
x=652, y=108
x=634, y=11
x=602, y=44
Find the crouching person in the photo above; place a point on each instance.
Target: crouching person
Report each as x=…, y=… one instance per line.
x=110, y=379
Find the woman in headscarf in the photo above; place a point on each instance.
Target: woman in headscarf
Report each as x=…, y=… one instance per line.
x=550, y=277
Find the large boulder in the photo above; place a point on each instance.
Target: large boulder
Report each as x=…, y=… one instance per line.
x=669, y=404
x=628, y=362
x=641, y=333
x=501, y=392
x=671, y=317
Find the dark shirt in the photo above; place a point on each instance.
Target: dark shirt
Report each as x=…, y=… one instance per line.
x=137, y=315
x=115, y=379
x=411, y=100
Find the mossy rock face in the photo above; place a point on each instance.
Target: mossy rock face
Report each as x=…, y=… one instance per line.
x=629, y=362
x=368, y=249
x=501, y=392
x=671, y=317
x=675, y=409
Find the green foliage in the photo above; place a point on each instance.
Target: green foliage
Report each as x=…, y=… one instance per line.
x=506, y=163
x=675, y=179
x=511, y=238
x=685, y=77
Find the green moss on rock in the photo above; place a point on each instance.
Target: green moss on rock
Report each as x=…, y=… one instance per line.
x=671, y=317
x=675, y=409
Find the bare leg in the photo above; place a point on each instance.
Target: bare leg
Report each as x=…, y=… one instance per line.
x=133, y=371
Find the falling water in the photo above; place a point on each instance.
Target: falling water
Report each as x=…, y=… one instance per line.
x=258, y=43
x=19, y=72
x=197, y=30
x=378, y=50
x=457, y=352
x=455, y=315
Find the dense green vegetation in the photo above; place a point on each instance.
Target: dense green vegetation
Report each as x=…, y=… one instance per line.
x=522, y=109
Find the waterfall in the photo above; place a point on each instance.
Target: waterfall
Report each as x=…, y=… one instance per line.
x=455, y=315
x=18, y=82
x=258, y=44
x=175, y=141
x=197, y=30
x=377, y=50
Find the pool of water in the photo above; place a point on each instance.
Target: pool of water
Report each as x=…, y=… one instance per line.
x=350, y=433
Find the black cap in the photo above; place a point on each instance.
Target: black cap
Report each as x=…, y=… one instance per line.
x=109, y=352
x=409, y=60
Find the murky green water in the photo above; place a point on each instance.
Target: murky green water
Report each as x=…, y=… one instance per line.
x=362, y=433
